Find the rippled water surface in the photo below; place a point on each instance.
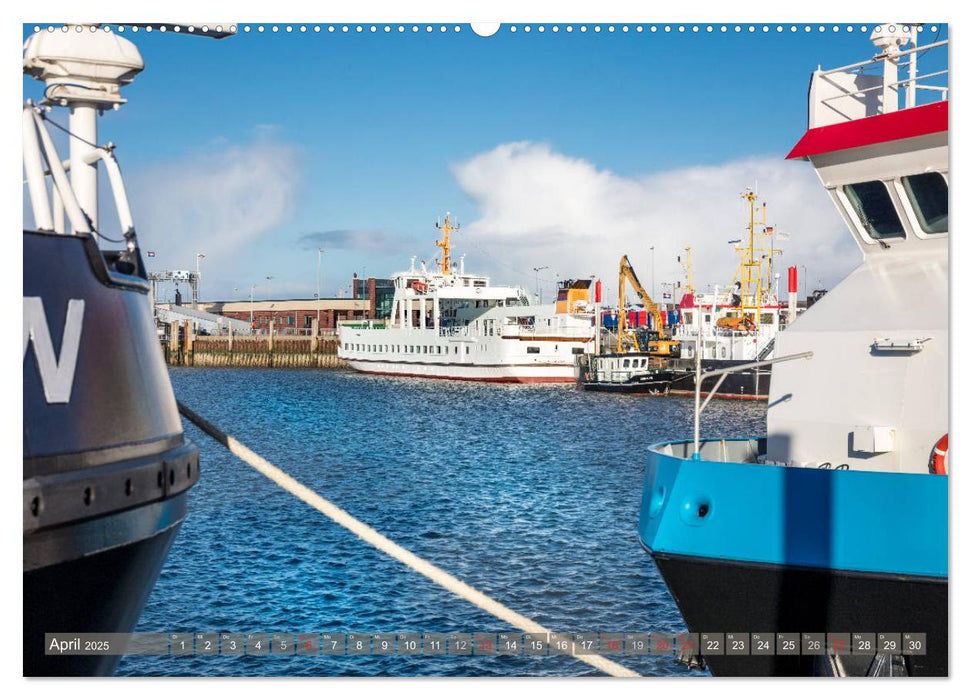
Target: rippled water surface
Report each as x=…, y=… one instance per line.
x=529, y=493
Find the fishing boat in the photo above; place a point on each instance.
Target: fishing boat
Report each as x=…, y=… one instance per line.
x=449, y=324
x=836, y=520
x=737, y=325
x=106, y=465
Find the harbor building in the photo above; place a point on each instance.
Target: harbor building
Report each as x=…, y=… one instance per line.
x=370, y=299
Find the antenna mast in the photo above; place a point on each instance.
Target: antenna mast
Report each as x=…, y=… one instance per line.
x=444, y=243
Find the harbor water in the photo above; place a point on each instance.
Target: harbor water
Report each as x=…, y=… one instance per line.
x=530, y=493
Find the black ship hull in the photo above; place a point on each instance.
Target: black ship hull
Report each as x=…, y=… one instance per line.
x=655, y=383
x=746, y=384
x=106, y=465
x=720, y=596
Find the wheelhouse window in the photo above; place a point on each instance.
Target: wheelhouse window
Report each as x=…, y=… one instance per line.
x=872, y=204
x=928, y=196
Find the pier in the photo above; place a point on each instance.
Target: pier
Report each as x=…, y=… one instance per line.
x=183, y=347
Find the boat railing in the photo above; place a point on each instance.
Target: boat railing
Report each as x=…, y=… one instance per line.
x=874, y=86
x=721, y=374
x=41, y=161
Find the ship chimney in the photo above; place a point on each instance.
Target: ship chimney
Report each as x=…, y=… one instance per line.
x=793, y=286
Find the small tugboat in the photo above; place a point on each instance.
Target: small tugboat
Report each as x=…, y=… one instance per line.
x=738, y=325
x=106, y=464
x=641, y=363
x=448, y=324
x=836, y=522
x=625, y=373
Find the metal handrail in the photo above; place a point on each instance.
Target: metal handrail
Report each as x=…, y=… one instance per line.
x=721, y=374
x=884, y=56
x=907, y=81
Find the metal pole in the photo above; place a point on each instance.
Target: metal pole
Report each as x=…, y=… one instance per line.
x=83, y=124
x=251, y=288
x=199, y=257
x=912, y=85
x=539, y=291
x=697, y=453
x=653, y=295
x=319, y=251
x=805, y=293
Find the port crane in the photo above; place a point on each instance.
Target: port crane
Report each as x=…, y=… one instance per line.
x=627, y=340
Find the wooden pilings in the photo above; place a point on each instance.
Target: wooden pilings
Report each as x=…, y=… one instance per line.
x=271, y=350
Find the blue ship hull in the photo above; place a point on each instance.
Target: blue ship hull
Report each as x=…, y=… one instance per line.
x=746, y=547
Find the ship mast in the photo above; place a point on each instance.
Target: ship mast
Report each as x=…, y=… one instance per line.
x=749, y=273
x=688, y=268
x=448, y=227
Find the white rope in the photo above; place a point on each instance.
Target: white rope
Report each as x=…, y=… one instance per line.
x=410, y=559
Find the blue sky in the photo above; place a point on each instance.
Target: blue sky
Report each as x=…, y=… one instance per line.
x=563, y=150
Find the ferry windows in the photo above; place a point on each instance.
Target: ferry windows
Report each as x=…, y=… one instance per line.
x=767, y=319
x=928, y=196
x=577, y=351
x=872, y=204
x=626, y=363
x=532, y=349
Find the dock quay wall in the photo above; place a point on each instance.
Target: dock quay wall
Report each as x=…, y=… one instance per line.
x=183, y=348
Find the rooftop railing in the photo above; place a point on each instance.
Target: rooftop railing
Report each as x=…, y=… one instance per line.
x=875, y=86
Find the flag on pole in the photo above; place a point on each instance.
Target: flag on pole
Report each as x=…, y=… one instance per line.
x=151, y=253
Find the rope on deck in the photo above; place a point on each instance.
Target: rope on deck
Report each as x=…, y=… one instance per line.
x=382, y=543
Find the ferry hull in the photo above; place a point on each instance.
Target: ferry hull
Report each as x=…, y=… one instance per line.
x=107, y=588
x=748, y=547
x=724, y=596
x=747, y=384
x=507, y=374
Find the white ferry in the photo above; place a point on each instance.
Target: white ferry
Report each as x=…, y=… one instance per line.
x=446, y=324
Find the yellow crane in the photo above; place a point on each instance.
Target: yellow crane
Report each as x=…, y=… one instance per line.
x=626, y=339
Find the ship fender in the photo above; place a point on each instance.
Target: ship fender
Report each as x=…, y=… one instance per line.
x=939, y=460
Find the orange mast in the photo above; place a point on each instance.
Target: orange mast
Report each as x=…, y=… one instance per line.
x=444, y=244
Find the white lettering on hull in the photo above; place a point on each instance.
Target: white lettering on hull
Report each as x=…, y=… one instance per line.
x=56, y=373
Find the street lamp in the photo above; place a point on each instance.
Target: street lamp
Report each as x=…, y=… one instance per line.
x=653, y=294
x=199, y=256
x=538, y=289
x=251, y=288
x=319, y=251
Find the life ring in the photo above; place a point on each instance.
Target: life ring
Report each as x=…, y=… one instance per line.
x=939, y=461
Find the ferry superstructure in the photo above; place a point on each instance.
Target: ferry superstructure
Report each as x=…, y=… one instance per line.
x=836, y=521
x=449, y=324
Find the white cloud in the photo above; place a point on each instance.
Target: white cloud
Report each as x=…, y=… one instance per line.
x=539, y=207
x=214, y=203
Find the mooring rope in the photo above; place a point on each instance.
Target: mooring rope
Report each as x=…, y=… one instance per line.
x=379, y=541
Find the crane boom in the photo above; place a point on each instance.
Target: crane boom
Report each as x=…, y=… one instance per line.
x=627, y=274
